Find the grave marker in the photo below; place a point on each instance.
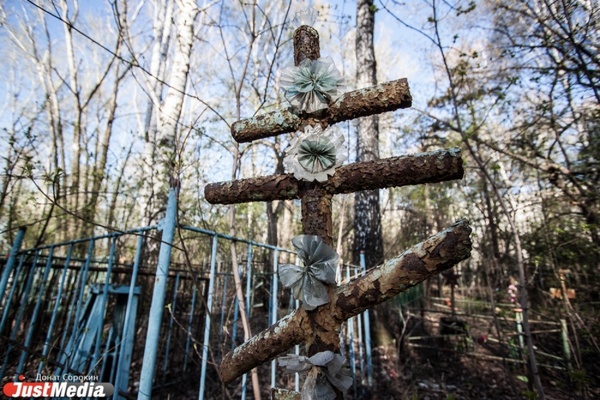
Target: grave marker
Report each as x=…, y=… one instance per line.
x=319, y=328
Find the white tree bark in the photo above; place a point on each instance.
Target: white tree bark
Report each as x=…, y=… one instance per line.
x=163, y=117
x=170, y=110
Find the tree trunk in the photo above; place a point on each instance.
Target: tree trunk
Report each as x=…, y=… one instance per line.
x=367, y=216
x=44, y=68
x=74, y=200
x=163, y=23
x=171, y=108
x=103, y=143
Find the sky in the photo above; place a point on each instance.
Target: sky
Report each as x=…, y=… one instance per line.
x=401, y=52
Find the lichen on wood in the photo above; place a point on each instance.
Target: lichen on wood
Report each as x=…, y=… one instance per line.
x=316, y=211
x=388, y=96
x=384, y=97
x=438, y=253
x=318, y=328
x=265, y=346
x=262, y=126
x=430, y=167
x=284, y=394
x=306, y=44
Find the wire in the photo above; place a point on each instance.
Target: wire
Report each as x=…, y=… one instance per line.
x=130, y=62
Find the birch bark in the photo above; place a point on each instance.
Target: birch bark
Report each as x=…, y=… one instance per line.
x=170, y=111
x=163, y=24
x=75, y=90
x=163, y=117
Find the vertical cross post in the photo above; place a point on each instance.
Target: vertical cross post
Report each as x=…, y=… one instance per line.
x=318, y=329
x=316, y=202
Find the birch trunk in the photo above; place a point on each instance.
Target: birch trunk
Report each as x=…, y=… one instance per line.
x=75, y=90
x=162, y=118
x=170, y=111
x=44, y=66
x=163, y=23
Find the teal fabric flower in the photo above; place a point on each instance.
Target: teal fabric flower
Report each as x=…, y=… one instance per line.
x=315, y=154
x=308, y=281
x=325, y=372
x=312, y=85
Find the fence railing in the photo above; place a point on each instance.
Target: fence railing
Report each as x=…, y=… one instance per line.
x=96, y=307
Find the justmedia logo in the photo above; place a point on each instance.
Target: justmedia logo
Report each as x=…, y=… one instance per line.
x=47, y=387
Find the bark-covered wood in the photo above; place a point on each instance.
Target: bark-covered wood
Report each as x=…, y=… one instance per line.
x=265, y=346
x=306, y=44
x=316, y=211
x=431, y=167
x=438, y=253
x=384, y=97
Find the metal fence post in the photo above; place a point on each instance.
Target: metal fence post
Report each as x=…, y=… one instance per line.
x=367, y=326
x=158, y=298
x=171, y=319
x=55, y=311
x=211, y=291
x=564, y=332
x=10, y=263
x=36, y=312
x=351, y=352
x=274, y=303
x=248, y=309
x=122, y=368
x=190, y=320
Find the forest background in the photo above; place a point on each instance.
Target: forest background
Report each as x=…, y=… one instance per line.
x=104, y=103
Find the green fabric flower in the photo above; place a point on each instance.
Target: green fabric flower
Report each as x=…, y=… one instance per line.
x=308, y=282
x=315, y=154
x=312, y=85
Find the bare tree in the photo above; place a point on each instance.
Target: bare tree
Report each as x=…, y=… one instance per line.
x=459, y=111
x=71, y=98
x=553, y=48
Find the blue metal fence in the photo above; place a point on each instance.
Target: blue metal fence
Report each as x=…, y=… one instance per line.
x=96, y=307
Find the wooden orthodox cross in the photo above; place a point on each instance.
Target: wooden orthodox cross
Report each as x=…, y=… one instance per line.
x=319, y=329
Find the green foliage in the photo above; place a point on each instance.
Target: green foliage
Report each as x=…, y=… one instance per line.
x=470, y=7
x=564, y=237
x=579, y=376
x=53, y=177
x=409, y=296
x=522, y=378
x=513, y=349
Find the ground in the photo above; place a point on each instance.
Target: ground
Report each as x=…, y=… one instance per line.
x=425, y=363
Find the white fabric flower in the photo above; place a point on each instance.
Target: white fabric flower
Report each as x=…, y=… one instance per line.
x=308, y=282
x=325, y=373
x=312, y=85
x=306, y=17
x=315, y=154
